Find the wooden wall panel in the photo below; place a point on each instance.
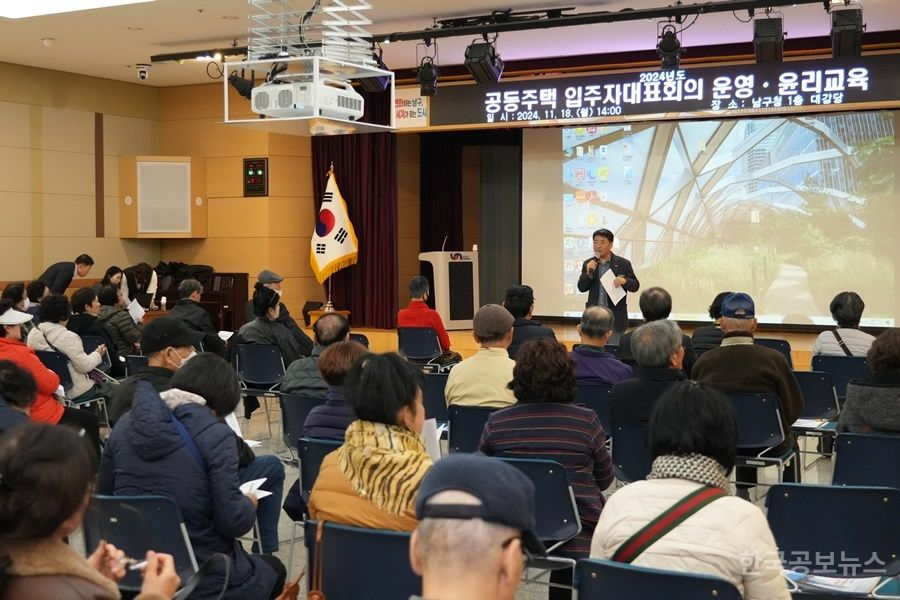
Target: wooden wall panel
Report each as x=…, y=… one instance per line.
x=408, y=206
x=238, y=217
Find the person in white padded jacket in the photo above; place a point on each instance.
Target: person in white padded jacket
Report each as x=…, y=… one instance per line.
x=692, y=438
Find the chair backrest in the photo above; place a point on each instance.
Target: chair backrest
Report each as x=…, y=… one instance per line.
x=259, y=365
x=759, y=423
x=418, y=343
x=867, y=459
x=312, y=451
x=90, y=343
x=59, y=364
x=294, y=410
x=466, y=426
x=360, y=338
x=596, y=396
x=782, y=346
x=135, y=363
x=631, y=460
x=361, y=563
x=555, y=512
x=607, y=580
x=819, y=399
x=842, y=370
x=614, y=350
x=433, y=396
x=855, y=529
x=135, y=524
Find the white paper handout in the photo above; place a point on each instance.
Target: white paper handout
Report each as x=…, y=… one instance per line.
x=432, y=439
x=615, y=293
x=225, y=335
x=252, y=487
x=136, y=311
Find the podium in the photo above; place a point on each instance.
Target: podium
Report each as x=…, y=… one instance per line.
x=455, y=289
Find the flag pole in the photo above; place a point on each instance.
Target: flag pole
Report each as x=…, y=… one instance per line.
x=329, y=307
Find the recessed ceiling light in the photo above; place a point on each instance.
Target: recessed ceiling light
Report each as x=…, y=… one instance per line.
x=47, y=41
x=135, y=28
x=230, y=18
x=23, y=10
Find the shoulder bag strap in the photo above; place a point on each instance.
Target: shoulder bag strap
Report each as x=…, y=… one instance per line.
x=189, y=442
x=666, y=522
x=841, y=343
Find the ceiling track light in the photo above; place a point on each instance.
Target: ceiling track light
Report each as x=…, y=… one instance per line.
x=427, y=76
x=768, y=40
x=380, y=83
x=669, y=48
x=244, y=87
x=846, y=31
x=483, y=62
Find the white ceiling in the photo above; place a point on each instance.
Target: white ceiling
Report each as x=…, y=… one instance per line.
x=109, y=42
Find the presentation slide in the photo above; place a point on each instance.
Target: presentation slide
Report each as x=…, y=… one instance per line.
x=791, y=210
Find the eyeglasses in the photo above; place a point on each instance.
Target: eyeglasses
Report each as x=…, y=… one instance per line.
x=528, y=558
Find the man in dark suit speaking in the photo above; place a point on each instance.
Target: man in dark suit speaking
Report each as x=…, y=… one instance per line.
x=596, y=267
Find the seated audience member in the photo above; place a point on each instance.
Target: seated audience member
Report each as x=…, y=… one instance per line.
x=58, y=276
x=139, y=279
x=708, y=337
x=303, y=376
x=419, y=315
x=36, y=291
x=593, y=364
x=483, y=379
x=52, y=335
x=847, y=339
x=265, y=328
x=476, y=518
x=331, y=419
x=18, y=391
x=195, y=316
x=273, y=281
x=656, y=304
x=117, y=322
x=692, y=438
x=739, y=365
x=372, y=479
x=873, y=404
x=657, y=348
x=519, y=301
x=48, y=474
x=85, y=309
x=168, y=344
x=15, y=293
x=545, y=424
x=195, y=464
x=113, y=276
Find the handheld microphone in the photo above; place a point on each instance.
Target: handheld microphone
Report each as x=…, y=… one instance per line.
x=444, y=244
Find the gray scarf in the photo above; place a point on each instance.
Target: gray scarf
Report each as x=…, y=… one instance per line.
x=693, y=467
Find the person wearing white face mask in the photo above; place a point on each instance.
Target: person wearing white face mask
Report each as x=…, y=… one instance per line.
x=168, y=344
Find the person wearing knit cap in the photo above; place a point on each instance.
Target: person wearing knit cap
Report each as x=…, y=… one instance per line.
x=273, y=281
x=481, y=380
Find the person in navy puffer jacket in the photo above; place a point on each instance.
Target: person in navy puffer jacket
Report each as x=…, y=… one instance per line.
x=196, y=467
x=331, y=419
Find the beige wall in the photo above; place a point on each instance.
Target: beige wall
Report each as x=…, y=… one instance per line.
x=47, y=167
x=244, y=234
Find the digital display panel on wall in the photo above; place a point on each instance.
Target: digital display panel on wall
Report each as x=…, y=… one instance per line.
x=733, y=90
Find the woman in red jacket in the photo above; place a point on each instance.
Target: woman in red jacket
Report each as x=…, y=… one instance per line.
x=46, y=408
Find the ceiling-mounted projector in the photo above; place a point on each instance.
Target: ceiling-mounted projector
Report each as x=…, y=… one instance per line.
x=327, y=98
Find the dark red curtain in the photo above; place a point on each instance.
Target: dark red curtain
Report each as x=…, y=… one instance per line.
x=365, y=167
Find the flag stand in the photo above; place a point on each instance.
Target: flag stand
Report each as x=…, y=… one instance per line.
x=329, y=307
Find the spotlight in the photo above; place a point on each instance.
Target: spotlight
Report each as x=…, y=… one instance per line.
x=846, y=32
x=379, y=83
x=768, y=40
x=669, y=48
x=243, y=86
x=483, y=62
x=427, y=76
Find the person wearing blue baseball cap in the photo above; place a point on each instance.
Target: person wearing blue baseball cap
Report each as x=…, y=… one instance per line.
x=739, y=365
x=476, y=520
